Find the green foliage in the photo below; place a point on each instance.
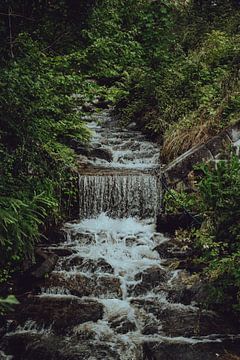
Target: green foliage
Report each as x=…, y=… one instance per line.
x=217, y=242
x=191, y=91
x=178, y=201
x=19, y=223
x=125, y=34
x=7, y=304
x=37, y=118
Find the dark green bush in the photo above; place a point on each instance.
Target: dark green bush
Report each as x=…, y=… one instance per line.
x=36, y=115
x=217, y=242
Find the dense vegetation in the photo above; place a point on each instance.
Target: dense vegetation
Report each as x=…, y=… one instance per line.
x=37, y=118
x=170, y=66
x=193, y=92
x=215, y=243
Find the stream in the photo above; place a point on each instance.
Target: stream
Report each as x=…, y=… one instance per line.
x=112, y=294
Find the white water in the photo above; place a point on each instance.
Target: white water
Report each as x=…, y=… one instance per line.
x=129, y=149
x=118, y=195
x=125, y=244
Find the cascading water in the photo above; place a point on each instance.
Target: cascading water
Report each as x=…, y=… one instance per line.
x=109, y=268
x=118, y=195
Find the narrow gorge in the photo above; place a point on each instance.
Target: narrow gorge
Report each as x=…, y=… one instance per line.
x=114, y=293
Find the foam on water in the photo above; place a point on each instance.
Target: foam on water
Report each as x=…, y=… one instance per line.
x=129, y=148
x=127, y=245
x=111, y=244
x=31, y=326
x=117, y=227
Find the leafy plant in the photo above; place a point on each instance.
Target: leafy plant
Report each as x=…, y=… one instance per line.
x=38, y=119
x=217, y=241
x=7, y=304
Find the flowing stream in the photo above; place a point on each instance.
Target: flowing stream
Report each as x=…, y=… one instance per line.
x=110, y=268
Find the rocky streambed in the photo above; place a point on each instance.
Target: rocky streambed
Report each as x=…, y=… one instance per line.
x=114, y=292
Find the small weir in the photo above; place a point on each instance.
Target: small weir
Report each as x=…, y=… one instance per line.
x=119, y=195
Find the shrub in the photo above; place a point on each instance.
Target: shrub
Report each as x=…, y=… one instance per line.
x=217, y=242
x=36, y=117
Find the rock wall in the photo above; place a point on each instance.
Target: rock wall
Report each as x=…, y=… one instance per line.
x=178, y=172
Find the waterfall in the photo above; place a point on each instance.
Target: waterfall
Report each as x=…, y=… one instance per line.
x=119, y=196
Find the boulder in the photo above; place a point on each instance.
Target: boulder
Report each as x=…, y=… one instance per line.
x=85, y=265
x=101, y=153
x=62, y=251
x=148, y=279
x=179, y=169
x=122, y=325
x=78, y=284
x=169, y=223
x=46, y=266
x=169, y=250
x=93, y=152
x=108, y=285
x=82, y=285
x=29, y=346
x=191, y=351
x=151, y=276
x=185, y=321
x=61, y=312
x=55, y=236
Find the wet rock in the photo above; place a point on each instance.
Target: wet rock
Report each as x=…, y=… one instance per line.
x=148, y=279
x=189, y=322
x=46, y=266
x=187, y=289
x=60, y=312
x=151, y=276
x=31, y=346
x=170, y=350
x=83, y=285
x=150, y=329
x=108, y=285
x=199, y=291
x=90, y=151
x=54, y=236
x=123, y=325
x=82, y=150
x=62, y=252
x=77, y=284
x=169, y=223
x=83, y=238
x=91, y=265
x=102, y=153
x=183, y=264
x=169, y=250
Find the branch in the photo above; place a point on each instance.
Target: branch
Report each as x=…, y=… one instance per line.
x=55, y=41
x=10, y=32
x=17, y=15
